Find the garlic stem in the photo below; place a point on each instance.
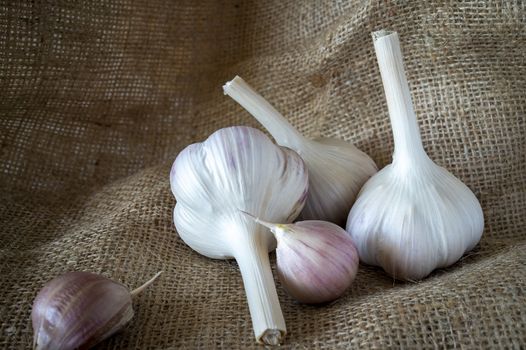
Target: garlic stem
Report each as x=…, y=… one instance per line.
x=267, y=318
x=406, y=134
x=282, y=131
x=145, y=285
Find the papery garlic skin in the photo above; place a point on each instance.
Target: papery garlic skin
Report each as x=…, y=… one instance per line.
x=337, y=169
x=413, y=216
x=78, y=310
x=316, y=260
x=239, y=168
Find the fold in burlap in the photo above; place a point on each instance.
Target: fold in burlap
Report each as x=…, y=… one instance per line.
x=98, y=97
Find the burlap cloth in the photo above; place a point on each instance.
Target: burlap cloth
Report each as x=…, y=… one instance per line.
x=98, y=97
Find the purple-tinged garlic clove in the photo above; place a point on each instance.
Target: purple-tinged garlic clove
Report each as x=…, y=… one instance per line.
x=316, y=260
x=77, y=310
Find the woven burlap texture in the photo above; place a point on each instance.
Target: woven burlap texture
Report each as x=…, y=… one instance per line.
x=98, y=97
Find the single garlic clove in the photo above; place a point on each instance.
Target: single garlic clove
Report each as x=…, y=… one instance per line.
x=79, y=309
x=337, y=169
x=316, y=260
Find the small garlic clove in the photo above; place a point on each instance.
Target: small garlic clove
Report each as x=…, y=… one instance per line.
x=316, y=260
x=79, y=309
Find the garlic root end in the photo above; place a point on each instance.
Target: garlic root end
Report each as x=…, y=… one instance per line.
x=381, y=33
x=272, y=337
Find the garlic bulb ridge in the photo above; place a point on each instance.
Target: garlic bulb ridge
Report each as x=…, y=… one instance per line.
x=413, y=216
x=337, y=169
x=239, y=168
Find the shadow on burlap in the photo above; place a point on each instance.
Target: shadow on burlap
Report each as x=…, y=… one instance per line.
x=99, y=97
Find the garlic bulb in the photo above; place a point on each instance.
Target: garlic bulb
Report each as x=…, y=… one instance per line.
x=80, y=309
x=239, y=168
x=316, y=260
x=337, y=169
x=413, y=216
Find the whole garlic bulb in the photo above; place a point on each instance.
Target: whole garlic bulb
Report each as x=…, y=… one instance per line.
x=413, y=216
x=316, y=260
x=80, y=309
x=239, y=168
x=337, y=169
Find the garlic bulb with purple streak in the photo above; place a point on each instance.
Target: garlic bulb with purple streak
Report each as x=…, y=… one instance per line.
x=239, y=168
x=316, y=260
x=337, y=169
x=77, y=310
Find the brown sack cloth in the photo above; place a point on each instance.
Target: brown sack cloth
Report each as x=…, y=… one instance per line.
x=98, y=97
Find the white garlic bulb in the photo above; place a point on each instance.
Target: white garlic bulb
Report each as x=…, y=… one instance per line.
x=413, y=216
x=239, y=168
x=337, y=169
x=316, y=260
